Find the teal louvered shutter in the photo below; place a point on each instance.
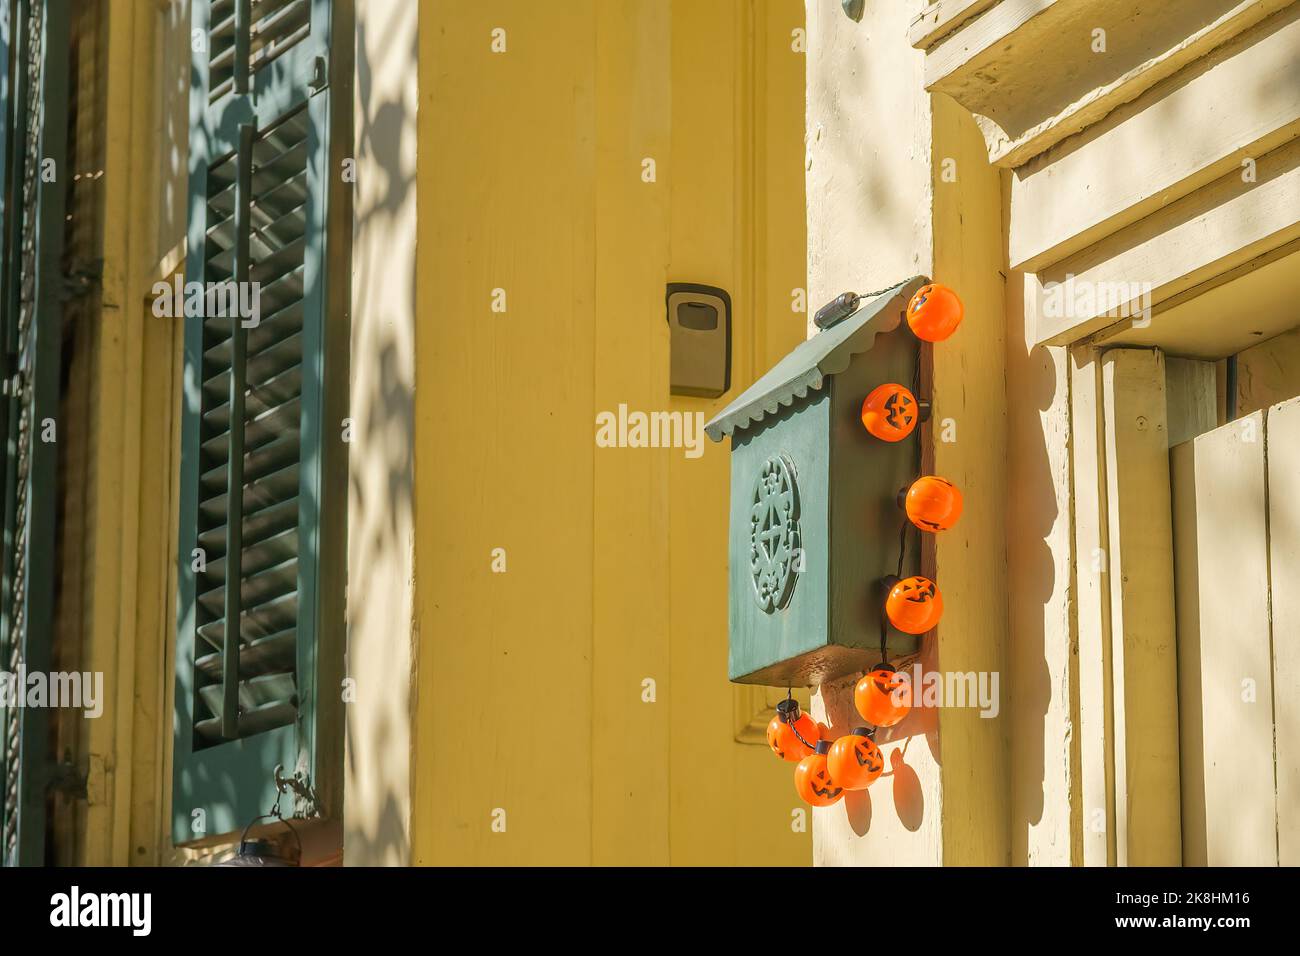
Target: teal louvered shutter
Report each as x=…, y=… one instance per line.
x=261, y=488
x=35, y=57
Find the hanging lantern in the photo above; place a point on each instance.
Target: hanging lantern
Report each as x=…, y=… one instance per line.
x=892, y=411
x=932, y=503
x=782, y=739
x=259, y=852
x=884, y=696
x=934, y=312
x=854, y=760
x=914, y=605
x=813, y=781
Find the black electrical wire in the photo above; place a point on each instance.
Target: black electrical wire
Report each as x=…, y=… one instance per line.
x=902, y=543
x=902, y=530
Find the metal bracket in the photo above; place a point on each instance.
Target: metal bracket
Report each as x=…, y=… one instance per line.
x=300, y=786
x=320, y=76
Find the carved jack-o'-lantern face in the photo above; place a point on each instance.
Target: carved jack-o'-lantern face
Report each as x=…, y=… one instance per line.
x=933, y=504
x=884, y=696
x=890, y=412
x=914, y=605
x=854, y=761
x=812, y=780
x=782, y=739
x=934, y=313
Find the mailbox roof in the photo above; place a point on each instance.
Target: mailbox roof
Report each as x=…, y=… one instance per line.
x=813, y=362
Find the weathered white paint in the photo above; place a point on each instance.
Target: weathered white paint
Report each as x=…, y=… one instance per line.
x=869, y=224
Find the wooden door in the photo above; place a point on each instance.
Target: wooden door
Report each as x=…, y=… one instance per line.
x=1237, y=564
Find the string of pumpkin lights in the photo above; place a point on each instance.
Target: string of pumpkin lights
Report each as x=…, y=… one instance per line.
x=826, y=769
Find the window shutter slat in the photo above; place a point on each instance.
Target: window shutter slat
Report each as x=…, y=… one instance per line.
x=253, y=472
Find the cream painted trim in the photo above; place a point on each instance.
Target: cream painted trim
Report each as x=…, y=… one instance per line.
x=1249, y=96
x=941, y=18
x=1092, y=608
x=1188, y=242
x=1282, y=458
x=1225, y=640
x=1007, y=32
x=1141, y=577
x=1191, y=709
x=967, y=50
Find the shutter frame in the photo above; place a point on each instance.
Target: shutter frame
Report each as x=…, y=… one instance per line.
x=26, y=621
x=202, y=776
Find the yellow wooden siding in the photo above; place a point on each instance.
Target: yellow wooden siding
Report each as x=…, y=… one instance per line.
x=531, y=681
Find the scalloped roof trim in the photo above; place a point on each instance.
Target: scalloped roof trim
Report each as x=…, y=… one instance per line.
x=808, y=366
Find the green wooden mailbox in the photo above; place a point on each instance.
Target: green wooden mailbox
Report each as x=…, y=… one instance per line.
x=815, y=523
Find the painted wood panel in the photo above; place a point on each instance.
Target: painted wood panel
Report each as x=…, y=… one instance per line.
x=968, y=444
x=505, y=456
x=737, y=217
x=1269, y=372
x=1187, y=608
x=1092, y=607
x=1224, y=646
x=1199, y=237
x=535, y=661
x=1143, y=663
x=631, y=504
x=1283, y=450
x=1075, y=194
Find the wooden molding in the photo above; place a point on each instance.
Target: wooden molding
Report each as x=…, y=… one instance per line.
x=1029, y=70
x=943, y=17
x=1140, y=573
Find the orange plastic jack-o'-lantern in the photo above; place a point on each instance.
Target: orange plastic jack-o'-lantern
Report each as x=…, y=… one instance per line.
x=813, y=781
x=934, y=313
x=884, y=696
x=914, y=605
x=891, y=412
x=782, y=739
x=854, y=760
x=932, y=503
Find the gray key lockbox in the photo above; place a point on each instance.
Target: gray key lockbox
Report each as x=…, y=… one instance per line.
x=699, y=320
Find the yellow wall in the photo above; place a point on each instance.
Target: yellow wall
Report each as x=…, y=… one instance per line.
x=530, y=685
x=520, y=690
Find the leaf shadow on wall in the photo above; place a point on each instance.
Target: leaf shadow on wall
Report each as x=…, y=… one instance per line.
x=381, y=493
